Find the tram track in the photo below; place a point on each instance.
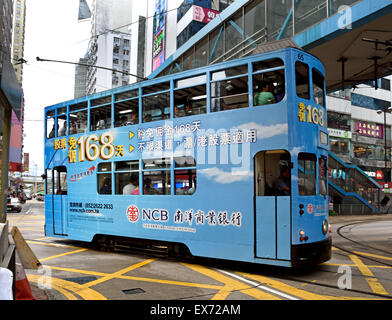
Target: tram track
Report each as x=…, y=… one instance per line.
x=360, y=243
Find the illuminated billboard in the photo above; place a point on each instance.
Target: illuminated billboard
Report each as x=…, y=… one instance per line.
x=158, y=52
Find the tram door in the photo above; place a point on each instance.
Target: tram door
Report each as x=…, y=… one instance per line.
x=272, y=204
x=60, y=202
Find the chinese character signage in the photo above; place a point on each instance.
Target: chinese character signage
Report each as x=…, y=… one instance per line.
x=204, y=15
x=369, y=129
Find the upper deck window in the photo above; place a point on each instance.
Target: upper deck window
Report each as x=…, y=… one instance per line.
x=78, y=122
x=100, y=118
x=318, y=87
x=231, y=89
x=190, y=101
x=302, y=80
x=268, y=86
x=101, y=101
x=50, y=125
x=156, y=107
x=126, y=112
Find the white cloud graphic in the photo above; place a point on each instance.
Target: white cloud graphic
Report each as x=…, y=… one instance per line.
x=225, y=177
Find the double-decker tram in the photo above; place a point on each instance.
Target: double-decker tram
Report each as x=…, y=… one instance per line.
x=228, y=161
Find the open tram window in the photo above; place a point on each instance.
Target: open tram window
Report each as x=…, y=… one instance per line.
x=61, y=125
x=307, y=174
x=302, y=80
x=100, y=118
x=156, y=176
x=323, y=176
x=231, y=93
x=50, y=128
x=190, y=101
x=156, y=107
x=273, y=173
x=318, y=87
x=78, y=122
x=104, y=178
x=185, y=175
x=126, y=112
x=127, y=177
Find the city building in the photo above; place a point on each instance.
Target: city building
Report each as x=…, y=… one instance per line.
x=160, y=27
x=109, y=45
x=81, y=78
x=10, y=98
x=359, y=124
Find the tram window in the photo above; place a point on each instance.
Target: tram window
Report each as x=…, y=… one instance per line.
x=323, y=176
x=156, y=163
x=185, y=181
x=104, y=183
x=307, y=174
x=126, y=112
x=50, y=128
x=156, y=88
x=60, y=180
x=187, y=82
x=50, y=113
x=302, y=80
x=156, y=182
x=127, y=181
x=78, y=106
x=190, y=101
x=229, y=94
x=48, y=181
x=184, y=162
x=156, y=107
x=105, y=167
x=126, y=95
x=62, y=110
x=127, y=165
x=268, y=87
x=61, y=125
x=100, y=118
x=273, y=173
x=318, y=87
x=267, y=64
x=231, y=72
x=100, y=101
x=78, y=122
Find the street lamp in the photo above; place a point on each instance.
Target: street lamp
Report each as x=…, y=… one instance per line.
x=385, y=110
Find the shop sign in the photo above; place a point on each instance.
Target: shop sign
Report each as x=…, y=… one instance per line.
x=340, y=133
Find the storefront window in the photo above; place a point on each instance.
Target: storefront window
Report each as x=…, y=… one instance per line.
x=339, y=146
x=339, y=121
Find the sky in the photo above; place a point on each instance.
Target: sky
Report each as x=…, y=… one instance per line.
x=52, y=31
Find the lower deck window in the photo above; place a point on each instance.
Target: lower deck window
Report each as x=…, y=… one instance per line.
x=307, y=174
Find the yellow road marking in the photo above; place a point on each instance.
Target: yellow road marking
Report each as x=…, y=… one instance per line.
x=285, y=287
x=161, y=281
x=62, y=255
x=230, y=285
x=372, y=281
x=118, y=273
x=51, y=244
x=85, y=293
x=373, y=255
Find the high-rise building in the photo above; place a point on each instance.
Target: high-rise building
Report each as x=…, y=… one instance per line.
x=81, y=78
x=18, y=37
x=109, y=45
x=10, y=98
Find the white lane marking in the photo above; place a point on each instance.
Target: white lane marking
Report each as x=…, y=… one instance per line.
x=258, y=285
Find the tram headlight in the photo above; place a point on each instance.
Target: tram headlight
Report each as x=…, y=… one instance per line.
x=325, y=227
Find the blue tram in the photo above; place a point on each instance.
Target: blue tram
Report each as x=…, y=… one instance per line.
x=228, y=160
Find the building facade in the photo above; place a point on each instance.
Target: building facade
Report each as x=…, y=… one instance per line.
x=359, y=124
x=109, y=46
x=10, y=98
